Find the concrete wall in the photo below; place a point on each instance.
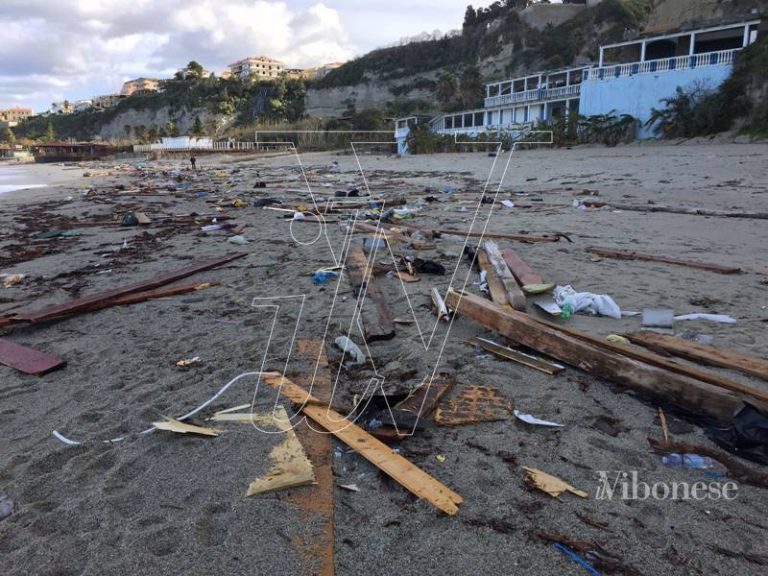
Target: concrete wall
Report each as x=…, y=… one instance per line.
x=637, y=95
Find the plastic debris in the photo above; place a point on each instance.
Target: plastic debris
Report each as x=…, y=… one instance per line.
x=720, y=318
x=351, y=348
x=688, y=461
x=576, y=558
x=239, y=240
x=350, y=487
x=658, y=318
x=6, y=506
x=616, y=339
x=440, y=458
x=594, y=304
x=528, y=419
x=508, y=203
x=323, y=276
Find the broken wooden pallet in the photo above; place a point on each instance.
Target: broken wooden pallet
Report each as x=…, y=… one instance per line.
x=398, y=468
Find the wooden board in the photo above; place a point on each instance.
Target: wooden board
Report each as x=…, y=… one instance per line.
x=378, y=324
x=516, y=356
x=710, y=355
x=497, y=235
x=531, y=282
x=693, y=395
x=290, y=466
x=95, y=301
x=380, y=455
x=515, y=295
x=632, y=255
x=28, y=360
x=757, y=396
x=495, y=286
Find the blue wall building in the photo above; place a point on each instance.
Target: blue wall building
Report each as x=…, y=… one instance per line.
x=630, y=78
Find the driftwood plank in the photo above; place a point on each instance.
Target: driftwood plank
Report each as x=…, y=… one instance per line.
x=632, y=255
x=95, y=301
x=515, y=295
x=382, y=327
x=495, y=286
x=693, y=395
x=531, y=282
x=380, y=455
x=750, y=365
x=28, y=360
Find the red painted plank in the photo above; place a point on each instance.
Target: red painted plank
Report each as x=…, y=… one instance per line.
x=28, y=360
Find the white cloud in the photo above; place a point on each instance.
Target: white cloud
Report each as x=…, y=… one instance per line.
x=79, y=48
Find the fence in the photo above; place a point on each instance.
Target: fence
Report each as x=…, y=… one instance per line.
x=722, y=58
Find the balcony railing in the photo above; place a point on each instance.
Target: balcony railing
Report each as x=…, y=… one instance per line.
x=722, y=58
x=537, y=95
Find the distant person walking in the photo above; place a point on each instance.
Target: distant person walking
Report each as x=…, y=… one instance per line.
x=193, y=161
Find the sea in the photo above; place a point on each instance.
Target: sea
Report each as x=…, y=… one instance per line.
x=18, y=176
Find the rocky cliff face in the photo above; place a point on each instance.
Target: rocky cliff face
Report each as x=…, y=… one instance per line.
x=651, y=14
x=133, y=119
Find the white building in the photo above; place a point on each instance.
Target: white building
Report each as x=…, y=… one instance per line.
x=630, y=78
x=257, y=67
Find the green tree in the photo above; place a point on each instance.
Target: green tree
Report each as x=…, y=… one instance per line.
x=447, y=88
x=171, y=129
x=194, y=70
x=50, y=135
x=471, y=87
x=197, y=127
x=8, y=136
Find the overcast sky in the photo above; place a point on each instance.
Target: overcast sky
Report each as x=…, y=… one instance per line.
x=75, y=49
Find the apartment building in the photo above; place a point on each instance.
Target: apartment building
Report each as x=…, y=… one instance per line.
x=141, y=86
x=257, y=68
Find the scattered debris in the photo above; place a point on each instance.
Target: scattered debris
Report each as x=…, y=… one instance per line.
x=290, y=465
x=528, y=419
x=552, y=485
x=173, y=425
x=28, y=360
x=397, y=467
x=351, y=348
x=473, y=405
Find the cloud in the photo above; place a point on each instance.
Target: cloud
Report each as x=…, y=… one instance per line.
x=80, y=48
x=52, y=49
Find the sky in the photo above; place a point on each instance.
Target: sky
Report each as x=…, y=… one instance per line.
x=51, y=50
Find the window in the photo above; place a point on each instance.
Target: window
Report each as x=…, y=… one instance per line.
x=449, y=122
x=478, y=118
x=467, y=120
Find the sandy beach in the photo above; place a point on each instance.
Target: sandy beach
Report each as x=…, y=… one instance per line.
x=165, y=503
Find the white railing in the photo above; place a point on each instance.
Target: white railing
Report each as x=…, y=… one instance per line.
x=537, y=95
x=211, y=147
x=722, y=58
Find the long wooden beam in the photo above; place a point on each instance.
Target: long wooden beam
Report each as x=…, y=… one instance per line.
x=692, y=395
x=633, y=255
x=95, y=301
x=704, y=353
x=376, y=452
x=514, y=293
x=361, y=276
